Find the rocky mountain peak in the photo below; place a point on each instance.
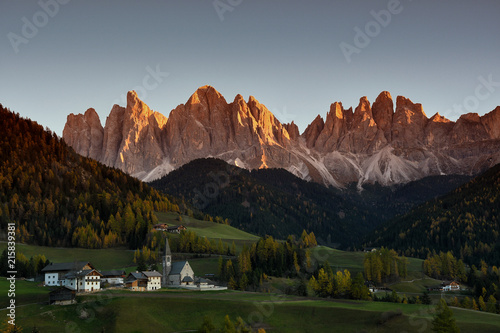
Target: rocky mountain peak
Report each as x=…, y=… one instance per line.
x=471, y=117
x=491, y=122
x=375, y=143
x=206, y=96
x=383, y=112
x=437, y=118
x=293, y=130
x=84, y=133
x=313, y=131
x=136, y=106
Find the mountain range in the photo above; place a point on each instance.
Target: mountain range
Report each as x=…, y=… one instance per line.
x=380, y=143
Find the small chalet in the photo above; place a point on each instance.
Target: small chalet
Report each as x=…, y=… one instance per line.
x=451, y=286
x=55, y=273
x=160, y=227
x=62, y=296
x=446, y=286
x=370, y=249
x=176, y=229
x=143, y=281
x=371, y=286
x=114, y=277
x=83, y=281
x=181, y=274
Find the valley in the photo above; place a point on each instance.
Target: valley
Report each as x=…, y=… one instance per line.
x=283, y=245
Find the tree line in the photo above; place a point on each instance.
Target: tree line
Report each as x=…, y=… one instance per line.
x=263, y=258
x=383, y=265
x=445, y=266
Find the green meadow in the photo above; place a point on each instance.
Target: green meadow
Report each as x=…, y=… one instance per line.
x=173, y=311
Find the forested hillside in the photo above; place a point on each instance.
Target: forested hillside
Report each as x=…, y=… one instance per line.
x=254, y=204
x=275, y=202
x=466, y=222
x=58, y=198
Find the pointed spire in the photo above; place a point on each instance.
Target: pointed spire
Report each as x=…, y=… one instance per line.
x=167, y=247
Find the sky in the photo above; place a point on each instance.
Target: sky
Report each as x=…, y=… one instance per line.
x=296, y=57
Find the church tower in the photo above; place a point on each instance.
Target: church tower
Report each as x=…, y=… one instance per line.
x=167, y=263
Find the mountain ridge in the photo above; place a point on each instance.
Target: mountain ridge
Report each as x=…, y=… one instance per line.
x=278, y=203
x=380, y=143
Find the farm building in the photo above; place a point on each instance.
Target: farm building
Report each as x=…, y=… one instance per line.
x=62, y=296
x=55, y=273
x=83, y=281
x=176, y=229
x=451, y=286
x=143, y=281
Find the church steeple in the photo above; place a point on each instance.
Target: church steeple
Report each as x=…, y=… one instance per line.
x=167, y=263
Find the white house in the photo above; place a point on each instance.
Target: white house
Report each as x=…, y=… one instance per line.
x=113, y=277
x=55, y=273
x=154, y=280
x=452, y=286
x=83, y=281
x=181, y=274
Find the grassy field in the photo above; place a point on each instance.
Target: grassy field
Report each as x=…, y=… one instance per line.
x=122, y=258
x=353, y=261
x=415, y=286
x=206, y=228
x=211, y=230
x=204, y=266
x=172, y=311
x=26, y=292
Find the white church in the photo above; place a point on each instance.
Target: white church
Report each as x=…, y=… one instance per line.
x=178, y=273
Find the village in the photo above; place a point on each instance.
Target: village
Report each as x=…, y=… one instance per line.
x=72, y=278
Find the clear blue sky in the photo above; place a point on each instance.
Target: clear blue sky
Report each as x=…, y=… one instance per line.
x=286, y=53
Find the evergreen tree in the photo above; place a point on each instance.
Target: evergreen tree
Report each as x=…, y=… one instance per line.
x=466, y=304
x=141, y=264
x=481, y=303
x=228, y=325
x=207, y=326
x=491, y=306
x=241, y=327
x=426, y=299
x=443, y=321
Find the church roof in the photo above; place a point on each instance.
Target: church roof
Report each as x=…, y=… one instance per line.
x=187, y=279
x=177, y=267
